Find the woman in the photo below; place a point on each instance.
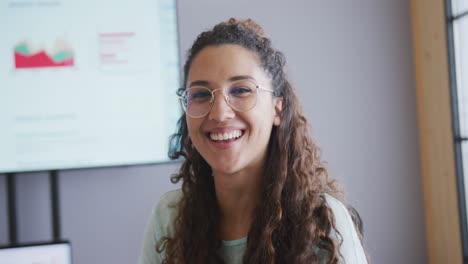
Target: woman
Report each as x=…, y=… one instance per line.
x=254, y=189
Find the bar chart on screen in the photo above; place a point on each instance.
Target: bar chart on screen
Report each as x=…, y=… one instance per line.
x=27, y=56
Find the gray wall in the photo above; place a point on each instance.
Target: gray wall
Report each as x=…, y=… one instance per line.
x=351, y=63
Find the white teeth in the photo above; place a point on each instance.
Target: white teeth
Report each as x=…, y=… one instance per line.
x=225, y=135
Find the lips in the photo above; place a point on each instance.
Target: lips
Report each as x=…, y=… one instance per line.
x=225, y=136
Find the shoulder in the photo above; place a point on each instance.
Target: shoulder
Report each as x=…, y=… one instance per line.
x=166, y=211
x=160, y=224
x=351, y=248
x=169, y=201
x=338, y=208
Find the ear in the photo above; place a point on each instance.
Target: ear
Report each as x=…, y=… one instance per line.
x=279, y=102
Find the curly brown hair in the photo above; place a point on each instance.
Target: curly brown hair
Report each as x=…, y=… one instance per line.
x=292, y=218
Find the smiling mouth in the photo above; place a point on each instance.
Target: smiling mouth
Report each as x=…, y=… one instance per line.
x=226, y=136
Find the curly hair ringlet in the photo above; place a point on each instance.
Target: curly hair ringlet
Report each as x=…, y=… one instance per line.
x=293, y=221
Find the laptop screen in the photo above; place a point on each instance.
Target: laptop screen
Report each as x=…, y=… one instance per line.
x=44, y=253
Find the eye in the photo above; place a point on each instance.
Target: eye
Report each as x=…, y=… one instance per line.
x=199, y=95
x=240, y=91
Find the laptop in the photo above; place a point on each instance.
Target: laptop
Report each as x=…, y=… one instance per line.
x=43, y=253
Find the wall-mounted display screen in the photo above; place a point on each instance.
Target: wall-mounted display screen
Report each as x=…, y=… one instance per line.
x=87, y=83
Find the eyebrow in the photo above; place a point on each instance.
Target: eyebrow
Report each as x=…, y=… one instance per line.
x=231, y=79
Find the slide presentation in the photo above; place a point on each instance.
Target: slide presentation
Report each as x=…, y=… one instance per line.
x=87, y=83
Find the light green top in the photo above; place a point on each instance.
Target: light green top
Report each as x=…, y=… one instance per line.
x=161, y=224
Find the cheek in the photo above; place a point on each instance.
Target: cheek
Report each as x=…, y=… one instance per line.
x=261, y=124
x=264, y=116
x=192, y=126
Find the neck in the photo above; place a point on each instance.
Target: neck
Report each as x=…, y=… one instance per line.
x=238, y=196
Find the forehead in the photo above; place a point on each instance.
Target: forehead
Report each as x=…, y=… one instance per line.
x=217, y=64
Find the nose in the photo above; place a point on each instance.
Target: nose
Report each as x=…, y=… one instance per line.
x=221, y=111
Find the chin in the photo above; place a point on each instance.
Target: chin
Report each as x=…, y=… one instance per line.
x=223, y=169
x=222, y=164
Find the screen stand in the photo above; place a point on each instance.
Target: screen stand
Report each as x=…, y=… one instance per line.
x=11, y=198
x=12, y=213
x=54, y=203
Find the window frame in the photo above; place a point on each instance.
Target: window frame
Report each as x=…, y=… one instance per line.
x=436, y=131
x=459, y=139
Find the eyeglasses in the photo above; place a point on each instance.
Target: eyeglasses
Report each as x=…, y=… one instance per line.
x=240, y=95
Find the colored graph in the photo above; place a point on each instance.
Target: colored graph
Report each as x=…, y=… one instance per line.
x=25, y=57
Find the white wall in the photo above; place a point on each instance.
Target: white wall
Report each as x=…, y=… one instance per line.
x=351, y=63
